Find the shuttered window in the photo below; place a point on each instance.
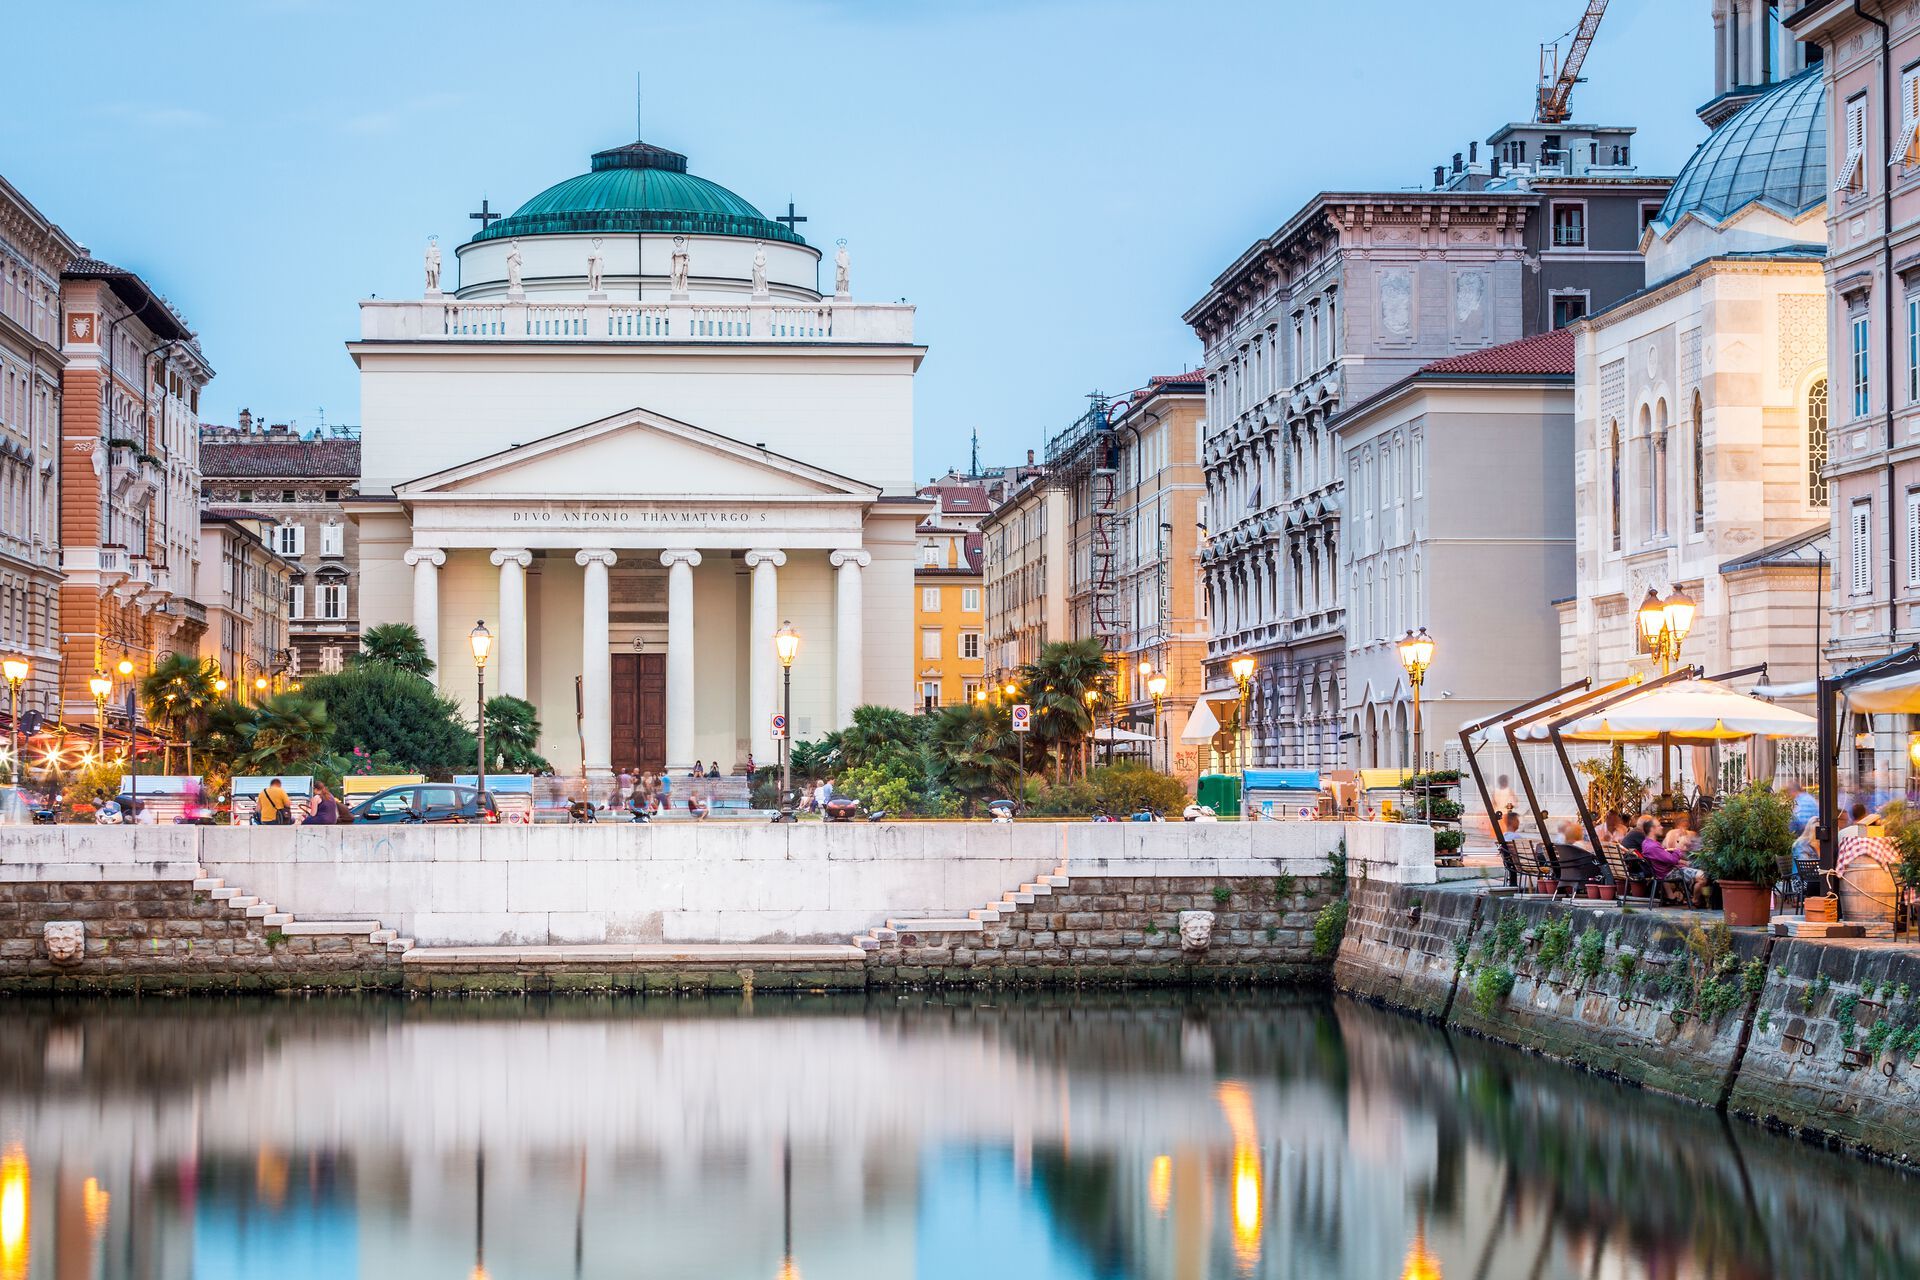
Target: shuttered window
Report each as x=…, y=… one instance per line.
x=1860, y=549
x=1853, y=170
x=1909, y=114
x=1913, y=536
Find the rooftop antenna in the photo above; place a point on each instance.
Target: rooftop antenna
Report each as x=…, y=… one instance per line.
x=976, y=453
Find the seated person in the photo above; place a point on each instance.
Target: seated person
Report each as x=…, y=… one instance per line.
x=713, y=770
x=696, y=771
x=1637, y=833
x=1653, y=850
x=1613, y=827
x=1681, y=838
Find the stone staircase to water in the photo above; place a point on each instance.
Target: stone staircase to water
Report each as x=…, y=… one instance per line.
x=976, y=920
x=271, y=917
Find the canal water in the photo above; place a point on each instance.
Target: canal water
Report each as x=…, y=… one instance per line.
x=1070, y=1137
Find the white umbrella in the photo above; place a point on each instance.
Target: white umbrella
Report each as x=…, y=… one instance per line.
x=1202, y=724
x=1694, y=712
x=1104, y=734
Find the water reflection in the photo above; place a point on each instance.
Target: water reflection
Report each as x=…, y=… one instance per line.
x=1151, y=1137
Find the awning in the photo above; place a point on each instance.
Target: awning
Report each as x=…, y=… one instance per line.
x=1202, y=724
x=1885, y=694
x=1104, y=734
x=1686, y=712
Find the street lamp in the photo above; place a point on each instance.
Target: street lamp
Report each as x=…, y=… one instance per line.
x=125, y=668
x=481, y=641
x=1664, y=625
x=1242, y=669
x=16, y=670
x=1416, y=655
x=100, y=687
x=1157, y=689
x=786, y=644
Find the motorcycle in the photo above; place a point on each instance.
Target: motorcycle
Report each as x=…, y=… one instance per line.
x=846, y=809
x=1000, y=810
x=582, y=811
x=1199, y=813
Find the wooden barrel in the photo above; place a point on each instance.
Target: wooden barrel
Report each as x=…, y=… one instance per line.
x=1868, y=894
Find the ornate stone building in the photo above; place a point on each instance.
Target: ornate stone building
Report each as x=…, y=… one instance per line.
x=1354, y=293
x=1701, y=424
x=33, y=252
x=299, y=482
x=1024, y=571
x=244, y=586
x=129, y=478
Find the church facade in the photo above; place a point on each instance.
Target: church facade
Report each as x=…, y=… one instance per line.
x=635, y=440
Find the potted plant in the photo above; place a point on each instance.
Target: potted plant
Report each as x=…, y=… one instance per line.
x=1742, y=846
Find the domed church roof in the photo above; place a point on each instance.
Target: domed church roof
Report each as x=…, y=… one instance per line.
x=638, y=187
x=1772, y=152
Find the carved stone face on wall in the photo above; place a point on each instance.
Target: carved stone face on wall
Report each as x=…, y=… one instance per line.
x=66, y=941
x=1196, y=930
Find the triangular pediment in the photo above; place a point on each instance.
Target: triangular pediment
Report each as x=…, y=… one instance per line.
x=634, y=455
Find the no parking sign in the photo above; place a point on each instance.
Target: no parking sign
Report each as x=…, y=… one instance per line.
x=779, y=726
x=1022, y=718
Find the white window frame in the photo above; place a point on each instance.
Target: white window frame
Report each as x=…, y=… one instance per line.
x=930, y=644
x=295, y=599
x=970, y=645
x=332, y=601
x=1913, y=537
x=930, y=695
x=970, y=599
x=1913, y=348
x=333, y=539
x=290, y=539
x=1861, y=401
x=1853, y=170
x=1586, y=303
x=1909, y=114
x=929, y=599
x=1860, y=548
x=1553, y=224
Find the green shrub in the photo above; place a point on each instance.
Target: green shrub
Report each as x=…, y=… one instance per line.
x=1284, y=887
x=1222, y=895
x=1329, y=926
x=1493, y=984
x=1745, y=838
x=1555, y=939
x=1445, y=841
x=1590, y=956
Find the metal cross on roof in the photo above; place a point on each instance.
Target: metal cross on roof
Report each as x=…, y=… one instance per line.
x=792, y=219
x=485, y=216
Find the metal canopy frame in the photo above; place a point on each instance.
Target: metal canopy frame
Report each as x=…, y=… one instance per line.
x=1827, y=691
x=1594, y=708
x=1470, y=751
x=1574, y=703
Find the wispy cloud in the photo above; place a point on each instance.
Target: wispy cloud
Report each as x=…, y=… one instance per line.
x=152, y=115
x=401, y=114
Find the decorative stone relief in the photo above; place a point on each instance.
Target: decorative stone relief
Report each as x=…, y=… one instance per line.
x=1396, y=302
x=1196, y=930
x=67, y=940
x=1469, y=298
x=1803, y=336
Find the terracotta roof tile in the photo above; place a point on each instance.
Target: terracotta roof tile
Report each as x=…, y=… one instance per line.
x=1546, y=353
x=291, y=458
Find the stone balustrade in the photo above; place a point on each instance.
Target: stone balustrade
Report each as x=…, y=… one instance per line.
x=598, y=320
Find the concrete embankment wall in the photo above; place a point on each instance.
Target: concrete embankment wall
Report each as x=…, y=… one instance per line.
x=1783, y=1031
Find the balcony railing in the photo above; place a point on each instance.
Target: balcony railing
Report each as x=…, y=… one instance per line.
x=761, y=320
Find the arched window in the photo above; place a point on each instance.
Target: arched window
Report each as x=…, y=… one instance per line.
x=1699, y=467
x=1817, y=443
x=1613, y=479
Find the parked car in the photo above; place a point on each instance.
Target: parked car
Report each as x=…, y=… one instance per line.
x=427, y=802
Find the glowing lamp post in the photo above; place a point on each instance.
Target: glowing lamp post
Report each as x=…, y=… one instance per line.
x=481, y=641
x=1664, y=625
x=1157, y=689
x=100, y=687
x=16, y=670
x=125, y=668
x=1416, y=655
x=786, y=646
x=1242, y=670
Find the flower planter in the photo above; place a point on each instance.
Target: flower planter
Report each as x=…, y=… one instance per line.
x=1745, y=904
x=1600, y=892
x=1545, y=884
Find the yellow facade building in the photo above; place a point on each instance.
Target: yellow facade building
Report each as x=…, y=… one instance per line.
x=949, y=620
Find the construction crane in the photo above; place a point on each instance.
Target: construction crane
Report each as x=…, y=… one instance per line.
x=1557, y=86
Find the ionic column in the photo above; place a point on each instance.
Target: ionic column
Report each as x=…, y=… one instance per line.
x=426, y=562
x=680, y=726
x=763, y=675
x=1757, y=29
x=849, y=663
x=596, y=666
x=512, y=668
x=1719, y=48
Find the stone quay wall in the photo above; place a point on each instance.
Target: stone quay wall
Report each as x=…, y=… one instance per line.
x=147, y=930
x=1114, y=928
x=1817, y=1037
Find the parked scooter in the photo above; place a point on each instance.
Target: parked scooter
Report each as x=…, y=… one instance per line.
x=789, y=810
x=1000, y=810
x=1147, y=815
x=582, y=811
x=846, y=809
x=1200, y=813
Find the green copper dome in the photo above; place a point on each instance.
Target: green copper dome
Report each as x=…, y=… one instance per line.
x=638, y=188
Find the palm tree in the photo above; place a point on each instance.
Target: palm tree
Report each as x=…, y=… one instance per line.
x=973, y=747
x=178, y=694
x=287, y=728
x=877, y=733
x=398, y=645
x=1057, y=684
x=513, y=736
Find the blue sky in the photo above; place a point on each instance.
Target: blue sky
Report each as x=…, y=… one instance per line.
x=1053, y=182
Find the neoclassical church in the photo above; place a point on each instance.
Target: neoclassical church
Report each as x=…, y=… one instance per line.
x=635, y=438
x=1701, y=409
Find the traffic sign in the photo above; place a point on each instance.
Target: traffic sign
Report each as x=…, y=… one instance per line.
x=779, y=726
x=1022, y=718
